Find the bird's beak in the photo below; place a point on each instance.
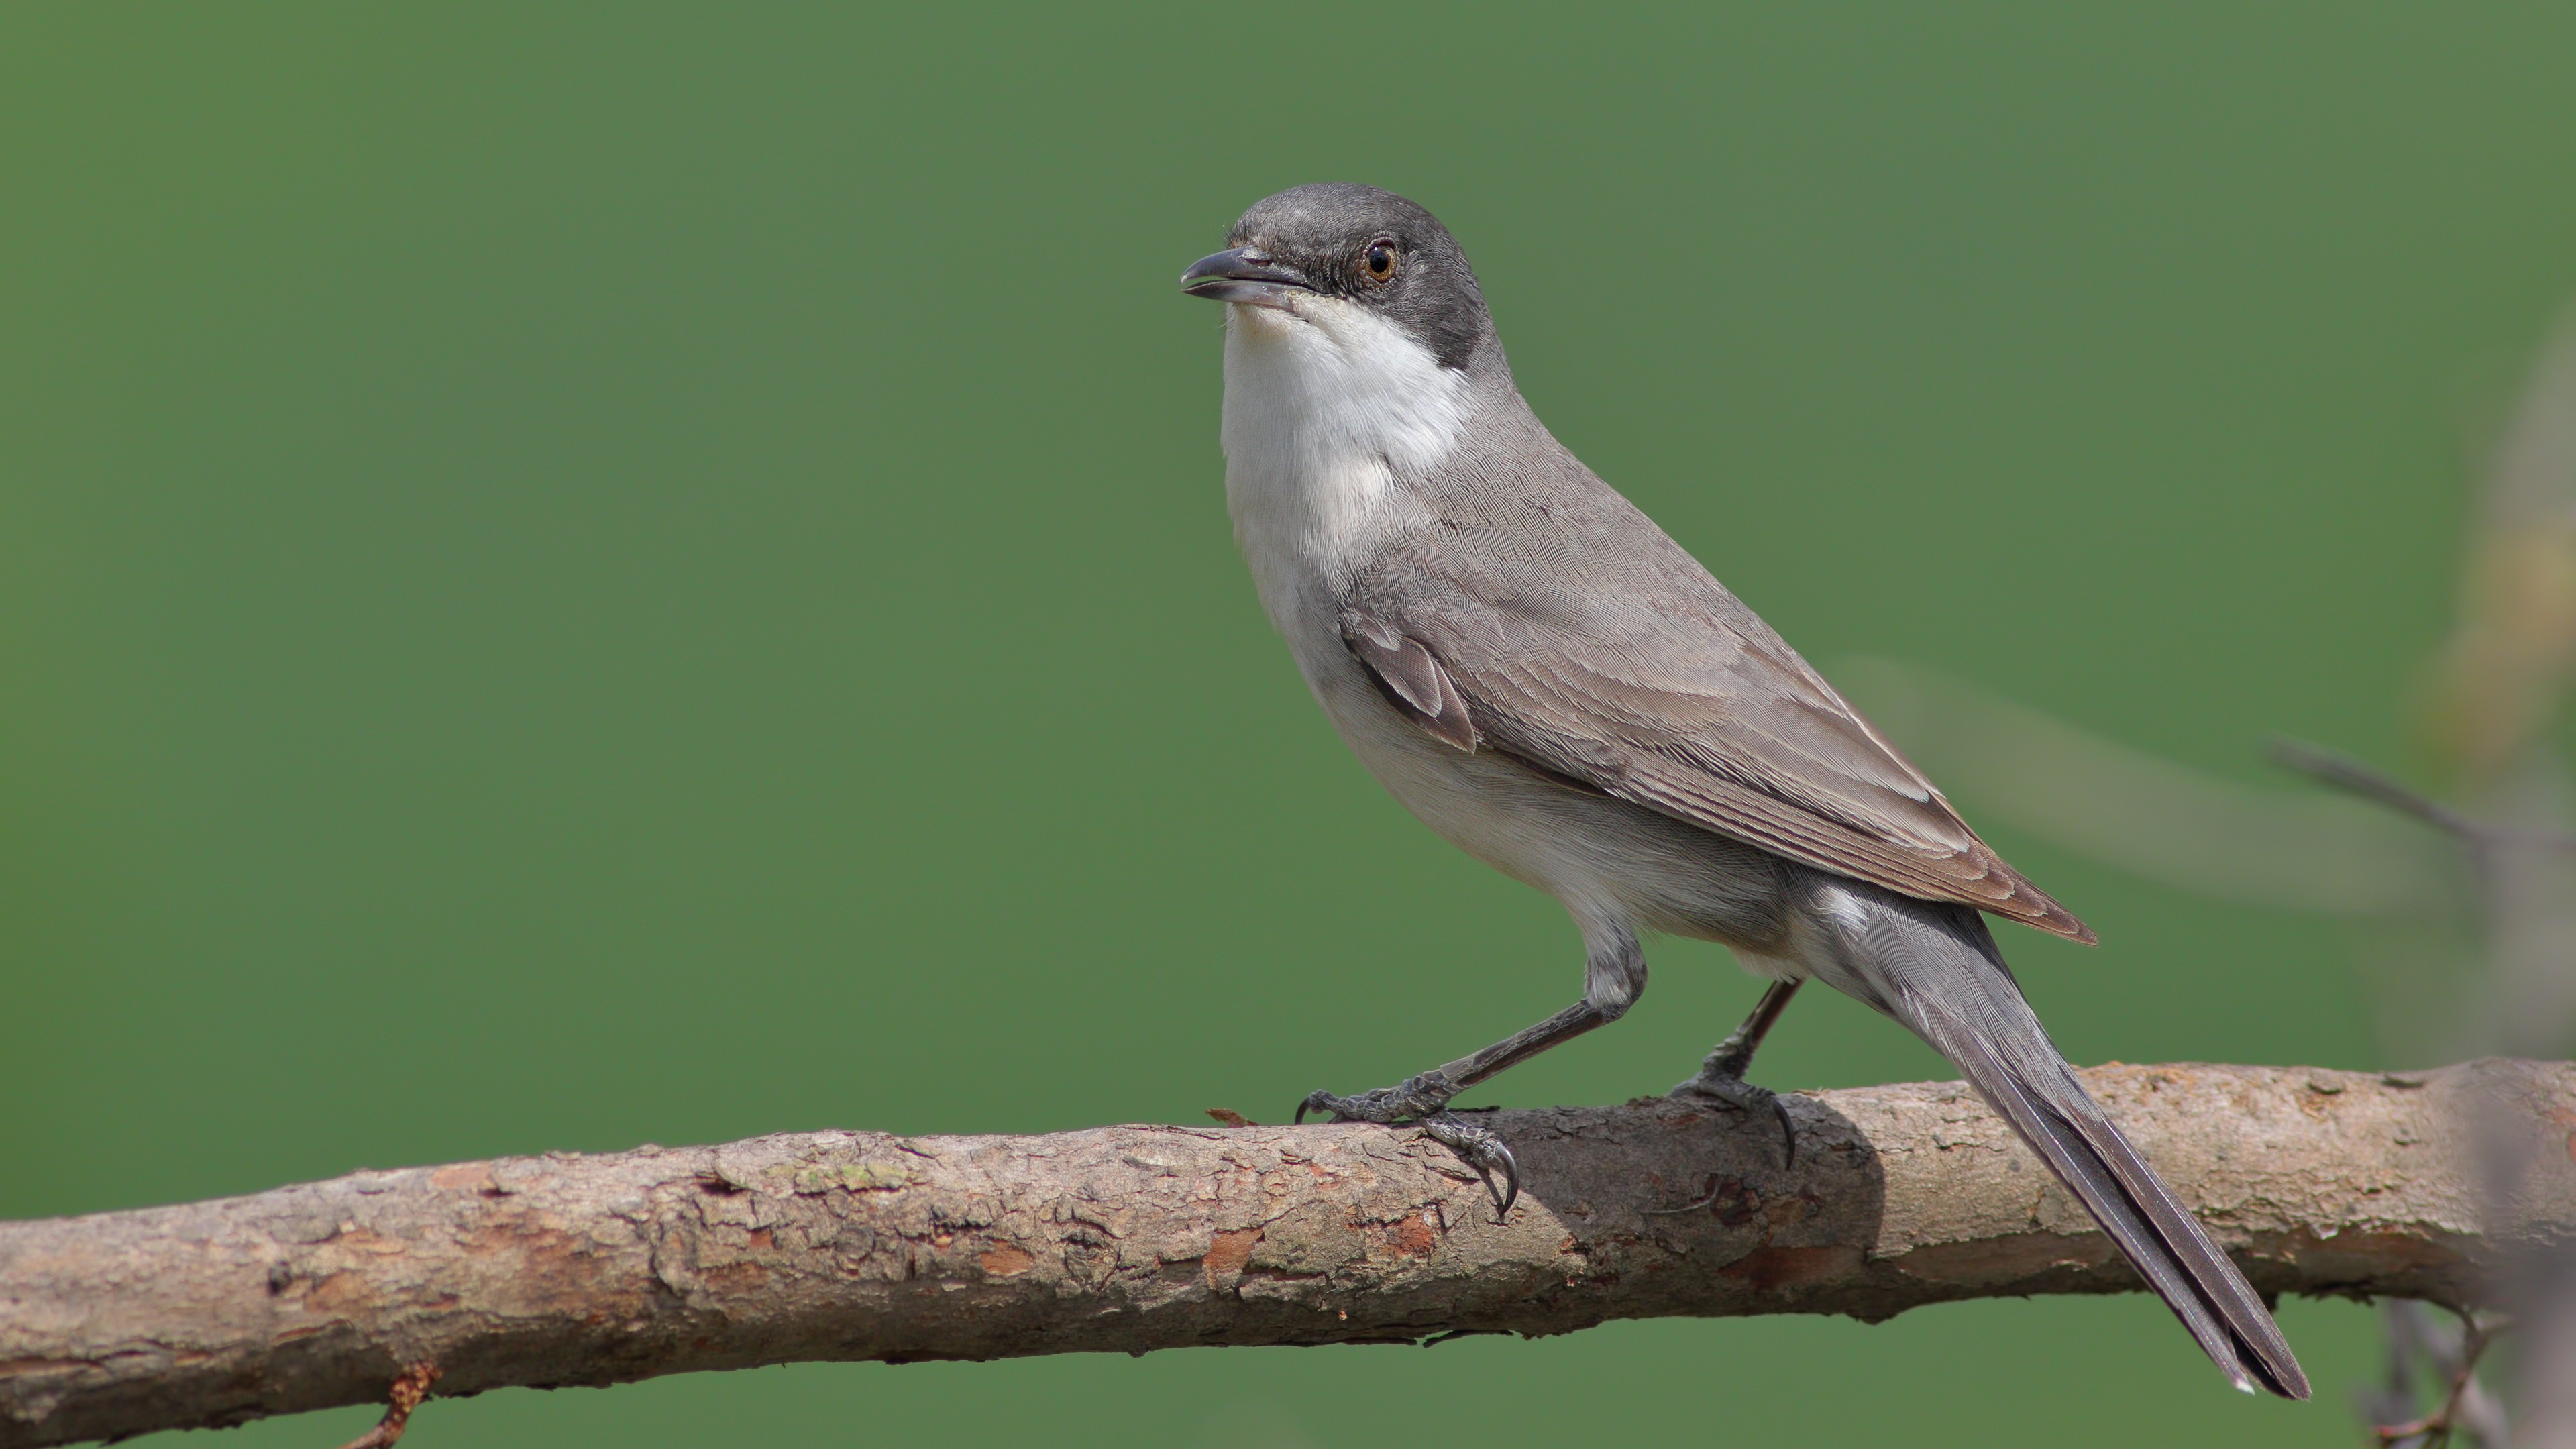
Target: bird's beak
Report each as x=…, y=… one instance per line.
x=1245, y=274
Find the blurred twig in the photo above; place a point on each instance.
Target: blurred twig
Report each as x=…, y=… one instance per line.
x=2158, y=819
x=405, y=1396
x=2343, y=771
x=2451, y=1355
x=2460, y=962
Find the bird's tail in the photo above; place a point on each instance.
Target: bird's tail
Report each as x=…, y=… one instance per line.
x=1936, y=969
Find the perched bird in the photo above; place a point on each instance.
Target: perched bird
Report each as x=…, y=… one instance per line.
x=1546, y=679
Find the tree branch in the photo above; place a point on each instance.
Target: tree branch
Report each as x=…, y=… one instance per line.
x=853, y=1245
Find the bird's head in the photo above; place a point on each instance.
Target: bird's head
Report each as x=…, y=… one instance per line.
x=1350, y=261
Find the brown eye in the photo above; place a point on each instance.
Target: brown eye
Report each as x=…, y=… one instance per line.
x=1379, y=260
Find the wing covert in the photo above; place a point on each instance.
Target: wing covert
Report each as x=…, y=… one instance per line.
x=1688, y=705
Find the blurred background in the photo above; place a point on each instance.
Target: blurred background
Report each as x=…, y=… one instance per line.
x=638, y=574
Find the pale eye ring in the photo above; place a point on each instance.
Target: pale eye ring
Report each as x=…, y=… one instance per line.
x=1378, y=259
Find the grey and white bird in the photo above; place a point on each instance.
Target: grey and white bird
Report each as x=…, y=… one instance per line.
x=1533, y=668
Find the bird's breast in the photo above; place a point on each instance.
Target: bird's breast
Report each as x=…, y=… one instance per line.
x=1327, y=410
x=1304, y=526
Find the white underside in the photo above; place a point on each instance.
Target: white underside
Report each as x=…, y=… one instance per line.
x=1318, y=403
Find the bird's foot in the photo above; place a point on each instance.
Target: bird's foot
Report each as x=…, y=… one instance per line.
x=1722, y=1080
x=1415, y=1099
x=1423, y=1101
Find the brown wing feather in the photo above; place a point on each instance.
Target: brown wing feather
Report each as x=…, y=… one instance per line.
x=1711, y=719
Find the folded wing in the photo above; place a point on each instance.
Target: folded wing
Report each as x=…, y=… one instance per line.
x=1669, y=693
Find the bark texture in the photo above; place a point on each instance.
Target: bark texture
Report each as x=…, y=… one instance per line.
x=857, y=1245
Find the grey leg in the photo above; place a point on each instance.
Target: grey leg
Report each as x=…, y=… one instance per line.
x=1721, y=1077
x=1613, y=977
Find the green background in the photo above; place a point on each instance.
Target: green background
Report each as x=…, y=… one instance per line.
x=580, y=578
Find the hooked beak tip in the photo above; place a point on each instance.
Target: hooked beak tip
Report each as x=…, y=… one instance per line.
x=1243, y=274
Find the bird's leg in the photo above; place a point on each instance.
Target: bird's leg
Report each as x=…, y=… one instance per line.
x=1614, y=976
x=1721, y=1077
x=1424, y=1100
x=1734, y=1056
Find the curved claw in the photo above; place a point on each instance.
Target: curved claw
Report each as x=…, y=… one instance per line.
x=1510, y=1167
x=1741, y=1095
x=1484, y=1152
x=1423, y=1102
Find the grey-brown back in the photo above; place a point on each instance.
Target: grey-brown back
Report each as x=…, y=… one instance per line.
x=1585, y=641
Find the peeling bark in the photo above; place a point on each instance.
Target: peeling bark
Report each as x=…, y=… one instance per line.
x=856, y=1245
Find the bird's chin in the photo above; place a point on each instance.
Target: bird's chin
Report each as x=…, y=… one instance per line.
x=1270, y=319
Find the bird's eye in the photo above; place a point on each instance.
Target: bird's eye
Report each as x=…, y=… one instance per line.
x=1378, y=260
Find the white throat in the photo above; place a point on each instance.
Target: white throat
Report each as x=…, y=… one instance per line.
x=1322, y=406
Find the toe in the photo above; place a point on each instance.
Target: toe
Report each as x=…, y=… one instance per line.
x=1495, y=1166
x=1320, y=1101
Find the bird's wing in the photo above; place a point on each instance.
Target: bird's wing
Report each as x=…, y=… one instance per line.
x=1673, y=695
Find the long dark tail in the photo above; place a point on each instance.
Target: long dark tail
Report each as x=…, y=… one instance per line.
x=1936, y=968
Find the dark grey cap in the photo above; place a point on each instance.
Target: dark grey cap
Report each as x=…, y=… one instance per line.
x=1361, y=244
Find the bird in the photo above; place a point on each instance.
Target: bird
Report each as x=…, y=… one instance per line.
x=1544, y=677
